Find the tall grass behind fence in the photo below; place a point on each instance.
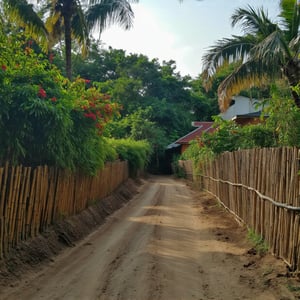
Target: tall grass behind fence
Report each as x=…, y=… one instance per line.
x=261, y=187
x=33, y=198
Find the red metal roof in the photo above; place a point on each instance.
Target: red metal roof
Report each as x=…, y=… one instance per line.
x=201, y=127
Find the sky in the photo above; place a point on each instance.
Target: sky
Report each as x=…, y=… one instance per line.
x=180, y=31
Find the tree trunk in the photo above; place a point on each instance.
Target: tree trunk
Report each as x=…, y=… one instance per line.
x=292, y=72
x=68, y=39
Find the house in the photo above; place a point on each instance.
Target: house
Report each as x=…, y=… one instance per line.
x=243, y=111
x=180, y=145
x=251, y=118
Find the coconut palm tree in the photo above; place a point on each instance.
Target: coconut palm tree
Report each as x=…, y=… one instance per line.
x=24, y=14
x=267, y=50
x=72, y=19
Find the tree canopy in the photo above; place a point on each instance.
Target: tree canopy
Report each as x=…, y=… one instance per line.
x=267, y=50
x=50, y=20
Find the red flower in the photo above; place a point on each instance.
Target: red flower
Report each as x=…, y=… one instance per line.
x=42, y=93
x=3, y=67
x=51, y=57
x=87, y=81
x=90, y=115
x=108, y=109
x=53, y=99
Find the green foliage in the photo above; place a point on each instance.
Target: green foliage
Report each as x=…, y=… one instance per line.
x=135, y=152
x=267, y=50
x=177, y=169
x=228, y=137
x=281, y=128
x=225, y=138
x=33, y=121
x=256, y=136
x=198, y=154
x=136, y=83
x=158, y=104
x=284, y=120
x=45, y=118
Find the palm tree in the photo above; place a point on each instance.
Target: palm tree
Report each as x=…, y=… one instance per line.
x=24, y=14
x=72, y=19
x=267, y=50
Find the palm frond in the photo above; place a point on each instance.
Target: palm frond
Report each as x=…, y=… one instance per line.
x=227, y=50
x=247, y=75
x=80, y=29
x=54, y=25
x=23, y=13
x=267, y=51
x=255, y=22
x=290, y=14
x=294, y=45
x=104, y=13
x=273, y=50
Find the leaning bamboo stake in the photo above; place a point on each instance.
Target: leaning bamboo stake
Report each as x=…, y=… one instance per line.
x=57, y=195
x=3, y=204
x=3, y=190
x=40, y=208
x=1, y=237
x=50, y=202
x=24, y=203
x=43, y=196
x=1, y=182
x=36, y=206
x=18, y=220
x=21, y=206
x=10, y=207
x=295, y=253
x=30, y=211
x=16, y=205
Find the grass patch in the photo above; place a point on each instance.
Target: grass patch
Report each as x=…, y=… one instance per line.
x=293, y=288
x=259, y=243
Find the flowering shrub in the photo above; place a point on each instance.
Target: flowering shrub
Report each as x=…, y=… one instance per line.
x=45, y=118
x=95, y=106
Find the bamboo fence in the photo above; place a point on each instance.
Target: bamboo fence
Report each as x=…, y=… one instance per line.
x=187, y=166
x=261, y=188
x=31, y=199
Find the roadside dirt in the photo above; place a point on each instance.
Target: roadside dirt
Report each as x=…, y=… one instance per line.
x=169, y=242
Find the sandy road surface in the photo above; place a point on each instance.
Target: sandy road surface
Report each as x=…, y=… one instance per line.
x=162, y=245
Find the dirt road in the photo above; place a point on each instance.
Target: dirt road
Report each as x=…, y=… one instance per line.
x=169, y=243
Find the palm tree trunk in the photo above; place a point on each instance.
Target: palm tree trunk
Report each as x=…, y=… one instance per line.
x=292, y=72
x=68, y=40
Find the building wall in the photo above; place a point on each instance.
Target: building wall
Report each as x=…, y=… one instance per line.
x=184, y=147
x=242, y=106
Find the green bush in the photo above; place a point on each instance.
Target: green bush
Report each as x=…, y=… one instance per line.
x=256, y=136
x=137, y=153
x=199, y=154
x=45, y=118
x=284, y=120
x=225, y=138
x=228, y=137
